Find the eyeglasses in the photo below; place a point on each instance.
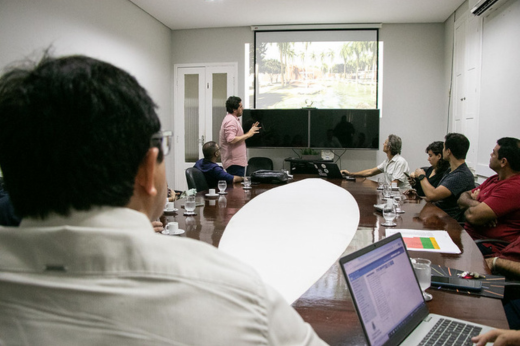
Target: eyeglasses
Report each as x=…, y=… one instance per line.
x=162, y=140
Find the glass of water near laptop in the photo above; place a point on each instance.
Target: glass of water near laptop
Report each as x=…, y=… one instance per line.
x=222, y=185
x=423, y=271
x=190, y=205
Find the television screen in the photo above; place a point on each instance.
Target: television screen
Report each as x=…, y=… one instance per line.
x=314, y=128
x=280, y=128
x=344, y=128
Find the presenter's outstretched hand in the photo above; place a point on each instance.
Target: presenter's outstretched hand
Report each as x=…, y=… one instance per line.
x=254, y=129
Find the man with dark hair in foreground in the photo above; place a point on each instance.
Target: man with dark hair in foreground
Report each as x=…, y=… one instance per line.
x=84, y=267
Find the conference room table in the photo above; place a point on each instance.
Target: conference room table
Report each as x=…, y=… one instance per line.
x=327, y=304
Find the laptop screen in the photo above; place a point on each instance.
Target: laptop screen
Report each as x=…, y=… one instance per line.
x=384, y=289
x=329, y=170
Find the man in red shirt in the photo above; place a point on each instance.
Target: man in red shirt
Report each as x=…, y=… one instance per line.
x=232, y=138
x=492, y=210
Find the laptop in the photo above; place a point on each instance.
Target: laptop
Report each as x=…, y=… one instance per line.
x=329, y=170
x=389, y=301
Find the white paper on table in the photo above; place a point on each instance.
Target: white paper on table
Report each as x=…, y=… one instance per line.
x=293, y=234
x=442, y=238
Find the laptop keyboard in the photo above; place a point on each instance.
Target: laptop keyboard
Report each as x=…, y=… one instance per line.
x=447, y=332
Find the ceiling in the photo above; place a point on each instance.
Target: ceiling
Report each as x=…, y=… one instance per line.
x=195, y=14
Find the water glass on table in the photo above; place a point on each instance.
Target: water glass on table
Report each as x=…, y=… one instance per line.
x=190, y=205
x=247, y=182
x=387, y=191
x=389, y=214
x=423, y=271
x=398, y=201
x=222, y=185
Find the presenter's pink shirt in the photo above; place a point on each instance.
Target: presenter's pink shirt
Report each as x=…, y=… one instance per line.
x=232, y=154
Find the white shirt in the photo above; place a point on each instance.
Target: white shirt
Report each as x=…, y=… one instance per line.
x=394, y=170
x=104, y=278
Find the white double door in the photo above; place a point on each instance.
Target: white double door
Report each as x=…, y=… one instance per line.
x=200, y=94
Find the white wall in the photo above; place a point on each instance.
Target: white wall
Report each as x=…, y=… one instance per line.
x=415, y=103
x=116, y=31
x=500, y=81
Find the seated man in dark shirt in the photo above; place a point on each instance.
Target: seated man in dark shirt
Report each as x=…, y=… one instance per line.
x=212, y=171
x=457, y=179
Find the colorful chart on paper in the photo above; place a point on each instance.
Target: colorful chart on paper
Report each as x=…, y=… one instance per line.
x=426, y=240
x=421, y=243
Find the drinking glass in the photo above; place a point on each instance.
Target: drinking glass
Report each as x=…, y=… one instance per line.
x=423, y=271
x=222, y=202
x=389, y=214
x=247, y=182
x=190, y=205
x=222, y=185
x=398, y=201
x=387, y=191
x=380, y=183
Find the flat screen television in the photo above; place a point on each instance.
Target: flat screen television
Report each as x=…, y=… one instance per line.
x=280, y=128
x=344, y=128
x=313, y=128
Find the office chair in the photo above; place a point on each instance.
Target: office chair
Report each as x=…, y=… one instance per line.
x=256, y=163
x=196, y=179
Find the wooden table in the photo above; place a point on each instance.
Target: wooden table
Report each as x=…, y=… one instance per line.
x=327, y=305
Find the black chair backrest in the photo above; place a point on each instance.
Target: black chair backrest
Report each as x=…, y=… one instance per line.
x=256, y=163
x=196, y=179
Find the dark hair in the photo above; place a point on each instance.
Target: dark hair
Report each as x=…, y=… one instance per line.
x=395, y=144
x=510, y=150
x=436, y=148
x=232, y=103
x=209, y=149
x=73, y=132
x=458, y=144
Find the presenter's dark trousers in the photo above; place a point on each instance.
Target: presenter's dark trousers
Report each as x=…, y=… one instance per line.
x=236, y=170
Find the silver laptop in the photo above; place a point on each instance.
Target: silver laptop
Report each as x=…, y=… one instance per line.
x=389, y=301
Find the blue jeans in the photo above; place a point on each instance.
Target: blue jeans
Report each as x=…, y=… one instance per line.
x=236, y=170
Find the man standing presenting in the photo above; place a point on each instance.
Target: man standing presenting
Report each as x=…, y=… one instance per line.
x=85, y=267
x=212, y=171
x=232, y=138
x=457, y=179
x=492, y=210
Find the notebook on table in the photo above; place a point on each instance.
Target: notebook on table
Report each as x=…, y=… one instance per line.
x=389, y=301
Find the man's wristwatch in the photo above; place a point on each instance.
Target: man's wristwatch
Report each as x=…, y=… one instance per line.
x=421, y=177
